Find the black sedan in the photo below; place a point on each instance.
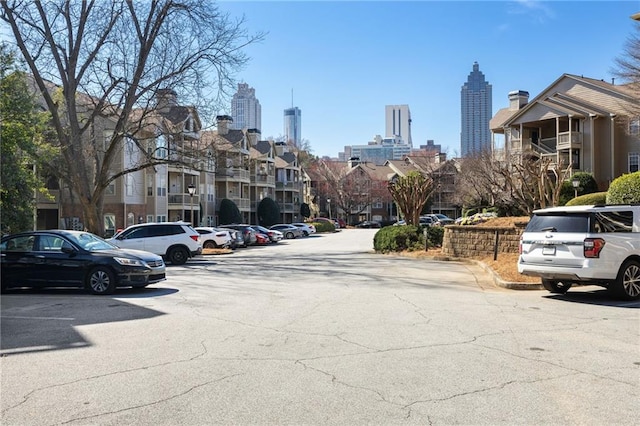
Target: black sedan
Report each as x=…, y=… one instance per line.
x=369, y=224
x=61, y=258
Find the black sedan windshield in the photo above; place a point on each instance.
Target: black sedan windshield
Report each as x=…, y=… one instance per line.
x=90, y=242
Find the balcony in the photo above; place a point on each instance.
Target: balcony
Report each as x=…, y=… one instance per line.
x=289, y=186
x=263, y=180
x=234, y=174
x=569, y=140
x=182, y=201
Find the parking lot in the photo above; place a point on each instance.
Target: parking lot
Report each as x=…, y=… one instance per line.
x=319, y=330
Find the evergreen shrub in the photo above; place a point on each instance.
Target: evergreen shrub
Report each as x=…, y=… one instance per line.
x=625, y=189
x=588, y=199
x=398, y=238
x=324, y=226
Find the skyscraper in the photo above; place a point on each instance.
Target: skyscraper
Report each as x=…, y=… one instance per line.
x=475, y=112
x=245, y=108
x=398, y=122
x=293, y=125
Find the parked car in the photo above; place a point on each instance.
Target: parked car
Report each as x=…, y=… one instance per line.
x=247, y=232
x=307, y=228
x=174, y=241
x=289, y=231
x=596, y=245
x=368, y=224
x=262, y=239
x=273, y=235
x=237, y=240
x=440, y=219
x=213, y=237
x=62, y=258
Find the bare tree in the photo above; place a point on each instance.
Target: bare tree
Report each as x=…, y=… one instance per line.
x=628, y=70
x=411, y=193
x=94, y=60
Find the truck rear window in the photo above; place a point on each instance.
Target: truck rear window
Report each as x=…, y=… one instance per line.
x=559, y=223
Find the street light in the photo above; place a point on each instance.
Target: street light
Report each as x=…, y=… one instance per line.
x=192, y=190
x=576, y=185
x=329, y=202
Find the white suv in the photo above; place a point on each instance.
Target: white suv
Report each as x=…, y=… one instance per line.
x=175, y=241
x=597, y=245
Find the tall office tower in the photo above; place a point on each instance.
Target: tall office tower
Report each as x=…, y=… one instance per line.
x=245, y=108
x=398, y=122
x=475, y=111
x=293, y=125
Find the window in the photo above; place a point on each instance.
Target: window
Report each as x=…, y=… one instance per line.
x=614, y=221
x=109, y=221
x=634, y=162
x=111, y=188
x=128, y=184
x=149, y=218
x=634, y=126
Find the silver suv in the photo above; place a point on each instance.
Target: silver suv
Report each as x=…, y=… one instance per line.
x=175, y=241
x=597, y=245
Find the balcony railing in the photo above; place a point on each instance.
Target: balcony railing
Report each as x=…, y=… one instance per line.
x=263, y=179
x=233, y=174
x=293, y=186
x=182, y=200
x=569, y=140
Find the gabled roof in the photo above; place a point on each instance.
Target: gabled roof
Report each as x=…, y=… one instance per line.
x=373, y=171
x=564, y=103
x=287, y=159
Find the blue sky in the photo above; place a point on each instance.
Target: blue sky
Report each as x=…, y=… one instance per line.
x=344, y=61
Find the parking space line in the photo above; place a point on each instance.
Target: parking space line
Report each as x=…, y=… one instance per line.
x=37, y=318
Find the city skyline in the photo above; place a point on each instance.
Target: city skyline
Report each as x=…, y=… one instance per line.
x=346, y=60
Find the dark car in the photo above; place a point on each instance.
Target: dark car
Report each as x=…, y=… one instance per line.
x=61, y=258
x=274, y=236
x=247, y=232
x=368, y=224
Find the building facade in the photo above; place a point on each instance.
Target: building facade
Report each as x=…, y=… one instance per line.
x=475, y=113
x=578, y=123
x=245, y=108
x=293, y=126
x=398, y=123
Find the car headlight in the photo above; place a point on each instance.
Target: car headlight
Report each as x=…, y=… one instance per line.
x=128, y=262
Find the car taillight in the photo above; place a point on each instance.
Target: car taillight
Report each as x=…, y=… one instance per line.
x=195, y=238
x=592, y=247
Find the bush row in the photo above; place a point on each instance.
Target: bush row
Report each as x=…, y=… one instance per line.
x=406, y=237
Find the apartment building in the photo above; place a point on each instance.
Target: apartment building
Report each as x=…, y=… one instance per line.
x=579, y=123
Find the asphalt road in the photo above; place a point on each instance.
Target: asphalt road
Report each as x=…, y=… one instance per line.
x=320, y=331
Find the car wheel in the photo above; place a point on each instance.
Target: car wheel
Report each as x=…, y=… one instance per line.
x=556, y=287
x=627, y=285
x=178, y=256
x=210, y=244
x=289, y=235
x=101, y=280
x=305, y=233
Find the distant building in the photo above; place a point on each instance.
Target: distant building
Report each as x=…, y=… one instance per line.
x=398, y=123
x=380, y=150
x=475, y=112
x=245, y=108
x=293, y=125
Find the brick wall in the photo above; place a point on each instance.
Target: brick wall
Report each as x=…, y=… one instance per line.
x=474, y=241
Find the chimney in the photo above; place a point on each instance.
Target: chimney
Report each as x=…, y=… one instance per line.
x=253, y=135
x=518, y=99
x=165, y=99
x=223, y=124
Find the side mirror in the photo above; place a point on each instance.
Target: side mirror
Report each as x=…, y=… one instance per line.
x=67, y=248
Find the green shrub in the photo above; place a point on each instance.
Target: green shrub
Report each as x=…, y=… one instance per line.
x=324, y=226
x=435, y=235
x=588, y=199
x=587, y=185
x=398, y=238
x=625, y=189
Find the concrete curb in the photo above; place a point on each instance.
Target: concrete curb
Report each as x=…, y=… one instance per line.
x=496, y=278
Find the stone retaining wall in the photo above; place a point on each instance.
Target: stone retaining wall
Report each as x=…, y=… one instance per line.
x=474, y=241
